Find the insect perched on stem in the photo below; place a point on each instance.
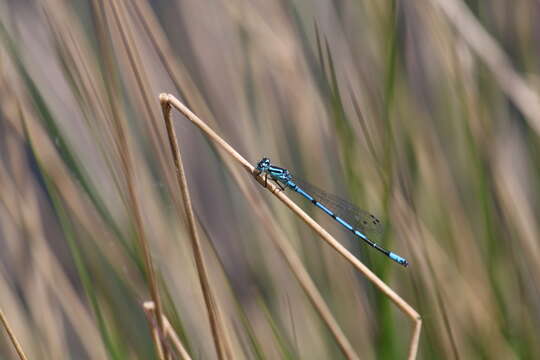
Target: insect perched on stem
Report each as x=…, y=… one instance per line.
x=348, y=215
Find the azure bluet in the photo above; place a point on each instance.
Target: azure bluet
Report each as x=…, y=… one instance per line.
x=348, y=215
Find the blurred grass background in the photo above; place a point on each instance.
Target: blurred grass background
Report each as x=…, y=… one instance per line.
x=386, y=103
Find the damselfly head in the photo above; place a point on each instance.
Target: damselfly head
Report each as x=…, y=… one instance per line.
x=263, y=164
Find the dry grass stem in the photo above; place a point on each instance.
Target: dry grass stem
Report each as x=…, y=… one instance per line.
x=149, y=310
x=11, y=335
x=292, y=259
x=400, y=303
x=222, y=347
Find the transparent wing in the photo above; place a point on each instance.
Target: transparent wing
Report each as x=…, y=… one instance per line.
x=358, y=218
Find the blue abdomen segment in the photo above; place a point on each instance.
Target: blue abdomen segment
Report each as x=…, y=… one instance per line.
x=398, y=259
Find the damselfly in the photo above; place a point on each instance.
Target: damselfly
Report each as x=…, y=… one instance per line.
x=348, y=215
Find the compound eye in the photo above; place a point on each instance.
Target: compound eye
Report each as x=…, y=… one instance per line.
x=264, y=164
